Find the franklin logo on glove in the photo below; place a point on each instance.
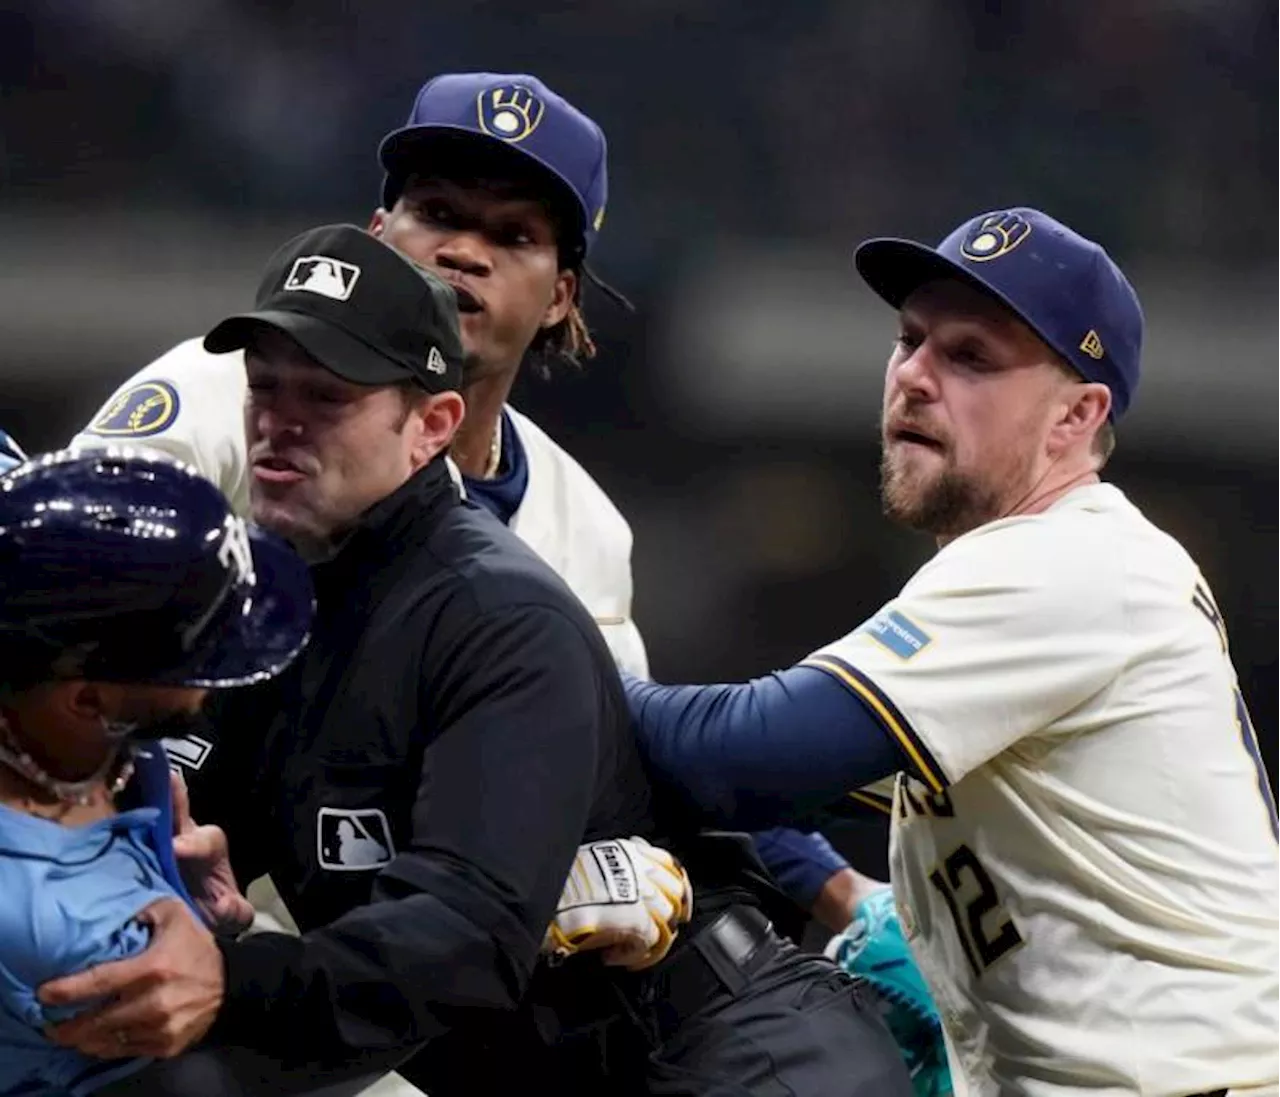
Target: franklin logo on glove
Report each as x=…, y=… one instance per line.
x=619, y=873
x=625, y=899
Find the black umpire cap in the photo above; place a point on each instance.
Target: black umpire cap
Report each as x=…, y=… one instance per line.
x=358, y=307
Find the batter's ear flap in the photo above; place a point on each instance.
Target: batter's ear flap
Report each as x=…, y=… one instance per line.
x=564, y=296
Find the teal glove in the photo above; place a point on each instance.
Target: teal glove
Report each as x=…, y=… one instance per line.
x=874, y=949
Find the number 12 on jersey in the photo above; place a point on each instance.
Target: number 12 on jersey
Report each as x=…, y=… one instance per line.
x=985, y=929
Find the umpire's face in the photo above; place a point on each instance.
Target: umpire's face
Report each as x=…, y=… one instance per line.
x=495, y=242
x=322, y=450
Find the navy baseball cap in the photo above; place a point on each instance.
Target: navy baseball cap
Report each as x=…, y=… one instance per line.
x=512, y=111
x=1067, y=289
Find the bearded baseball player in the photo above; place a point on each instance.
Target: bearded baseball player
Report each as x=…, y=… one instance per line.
x=1083, y=848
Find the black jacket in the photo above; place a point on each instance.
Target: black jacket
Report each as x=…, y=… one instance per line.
x=453, y=731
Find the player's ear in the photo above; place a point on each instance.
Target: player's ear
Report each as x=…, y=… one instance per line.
x=563, y=294
x=438, y=417
x=1081, y=414
x=378, y=223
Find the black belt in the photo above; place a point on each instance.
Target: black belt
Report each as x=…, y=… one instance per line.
x=716, y=959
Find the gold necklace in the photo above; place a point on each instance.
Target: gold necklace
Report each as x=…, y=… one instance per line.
x=495, y=452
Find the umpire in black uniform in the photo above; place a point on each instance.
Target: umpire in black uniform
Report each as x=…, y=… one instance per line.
x=419, y=781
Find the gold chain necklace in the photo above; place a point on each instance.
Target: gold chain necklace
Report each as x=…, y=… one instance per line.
x=495, y=452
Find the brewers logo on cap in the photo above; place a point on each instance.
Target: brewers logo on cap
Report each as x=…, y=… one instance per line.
x=145, y=408
x=995, y=235
x=510, y=111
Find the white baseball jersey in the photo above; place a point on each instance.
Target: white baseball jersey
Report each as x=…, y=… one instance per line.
x=1085, y=861
x=189, y=404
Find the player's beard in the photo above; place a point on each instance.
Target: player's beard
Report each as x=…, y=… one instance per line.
x=943, y=504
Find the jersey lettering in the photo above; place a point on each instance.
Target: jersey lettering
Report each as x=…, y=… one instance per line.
x=1203, y=601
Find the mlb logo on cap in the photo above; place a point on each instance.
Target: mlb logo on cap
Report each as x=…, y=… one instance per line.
x=320, y=274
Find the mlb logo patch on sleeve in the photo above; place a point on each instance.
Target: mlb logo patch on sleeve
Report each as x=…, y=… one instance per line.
x=899, y=634
x=353, y=840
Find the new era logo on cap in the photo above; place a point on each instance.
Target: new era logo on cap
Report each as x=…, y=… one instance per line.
x=321, y=274
x=436, y=362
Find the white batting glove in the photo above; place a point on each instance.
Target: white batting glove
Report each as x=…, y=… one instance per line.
x=625, y=897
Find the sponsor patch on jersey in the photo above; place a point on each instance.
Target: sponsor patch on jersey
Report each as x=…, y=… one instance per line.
x=899, y=634
x=146, y=408
x=349, y=840
x=189, y=752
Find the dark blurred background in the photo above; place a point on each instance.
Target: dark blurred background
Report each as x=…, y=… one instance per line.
x=156, y=152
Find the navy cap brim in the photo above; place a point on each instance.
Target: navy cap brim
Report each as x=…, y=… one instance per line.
x=270, y=627
x=895, y=269
x=332, y=346
x=419, y=148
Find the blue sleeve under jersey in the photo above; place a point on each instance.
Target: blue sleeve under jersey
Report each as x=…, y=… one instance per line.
x=801, y=863
x=769, y=752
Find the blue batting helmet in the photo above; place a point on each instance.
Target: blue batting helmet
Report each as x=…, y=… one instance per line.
x=129, y=567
